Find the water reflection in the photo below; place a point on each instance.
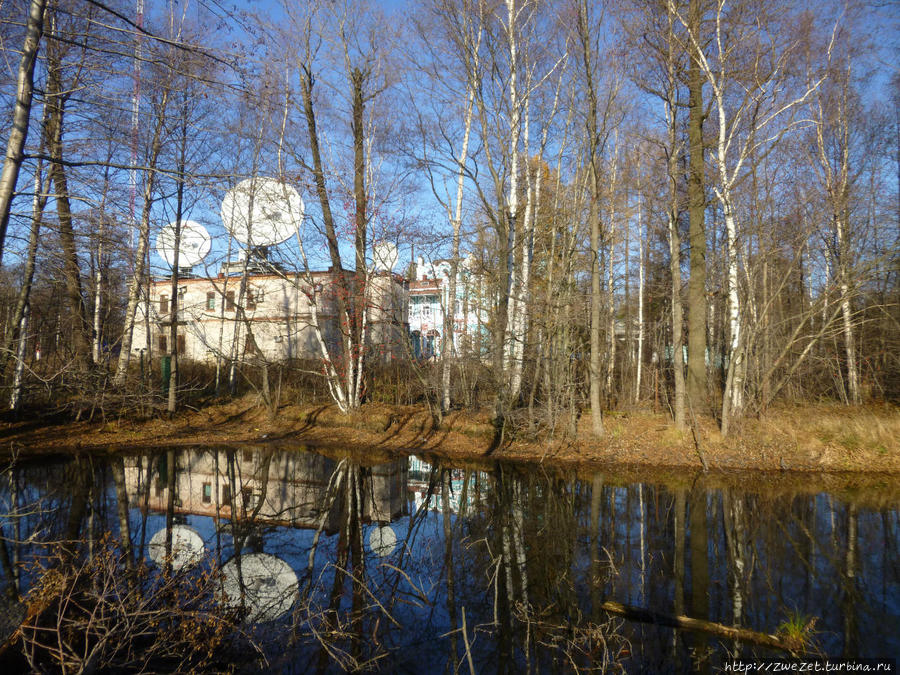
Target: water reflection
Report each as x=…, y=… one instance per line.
x=324, y=562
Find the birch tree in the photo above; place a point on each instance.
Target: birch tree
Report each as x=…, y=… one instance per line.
x=451, y=41
x=748, y=72
x=18, y=133
x=833, y=111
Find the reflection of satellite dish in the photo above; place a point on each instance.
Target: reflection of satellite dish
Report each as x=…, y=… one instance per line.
x=382, y=540
x=187, y=547
x=269, y=586
x=193, y=244
x=262, y=211
x=385, y=255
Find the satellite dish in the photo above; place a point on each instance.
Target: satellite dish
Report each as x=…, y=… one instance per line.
x=385, y=255
x=187, y=547
x=382, y=540
x=193, y=244
x=269, y=586
x=262, y=212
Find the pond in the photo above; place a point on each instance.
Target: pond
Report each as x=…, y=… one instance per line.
x=291, y=560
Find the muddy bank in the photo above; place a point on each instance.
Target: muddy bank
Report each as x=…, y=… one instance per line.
x=809, y=438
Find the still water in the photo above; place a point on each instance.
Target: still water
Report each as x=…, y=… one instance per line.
x=287, y=560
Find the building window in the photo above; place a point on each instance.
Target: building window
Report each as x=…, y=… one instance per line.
x=229, y=301
x=207, y=493
x=163, y=344
x=226, y=495
x=254, y=297
x=163, y=304
x=181, y=343
x=210, y=300
x=250, y=498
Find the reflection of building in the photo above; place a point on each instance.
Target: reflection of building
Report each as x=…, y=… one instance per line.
x=420, y=482
x=268, y=314
x=279, y=487
x=429, y=294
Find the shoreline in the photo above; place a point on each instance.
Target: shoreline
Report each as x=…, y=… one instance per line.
x=804, y=438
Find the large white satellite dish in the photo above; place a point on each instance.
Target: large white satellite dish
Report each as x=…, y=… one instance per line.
x=270, y=586
x=187, y=547
x=262, y=212
x=193, y=244
x=385, y=255
x=382, y=540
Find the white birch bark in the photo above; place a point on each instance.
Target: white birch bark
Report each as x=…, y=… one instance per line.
x=512, y=199
x=640, y=340
x=744, y=116
x=18, y=133
x=98, y=296
x=15, y=398
x=449, y=349
x=836, y=182
x=610, y=268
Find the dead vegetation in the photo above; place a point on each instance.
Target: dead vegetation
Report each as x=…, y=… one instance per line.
x=818, y=437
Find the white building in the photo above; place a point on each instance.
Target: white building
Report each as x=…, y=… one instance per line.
x=429, y=295
x=282, y=487
x=267, y=314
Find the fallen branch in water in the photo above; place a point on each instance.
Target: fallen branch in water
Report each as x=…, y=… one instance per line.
x=687, y=623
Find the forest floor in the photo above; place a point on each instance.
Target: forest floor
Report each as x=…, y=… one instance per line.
x=804, y=437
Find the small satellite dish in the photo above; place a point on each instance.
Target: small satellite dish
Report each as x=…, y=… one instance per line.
x=193, y=244
x=382, y=540
x=385, y=255
x=187, y=547
x=269, y=586
x=262, y=212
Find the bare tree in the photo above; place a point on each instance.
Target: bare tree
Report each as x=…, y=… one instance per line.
x=753, y=110
x=15, y=144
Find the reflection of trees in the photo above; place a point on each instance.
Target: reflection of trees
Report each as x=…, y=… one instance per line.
x=523, y=543
x=529, y=564
x=354, y=634
x=88, y=605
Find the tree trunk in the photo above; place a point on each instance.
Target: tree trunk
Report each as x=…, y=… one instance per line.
x=449, y=347
x=594, y=149
x=696, y=380
x=38, y=203
x=15, y=398
x=137, y=279
x=596, y=410
x=81, y=328
x=610, y=274
x=677, y=318
x=733, y=398
x=340, y=385
x=179, y=213
x=640, y=340
x=18, y=134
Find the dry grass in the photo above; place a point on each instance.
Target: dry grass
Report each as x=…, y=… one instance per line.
x=805, y=437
